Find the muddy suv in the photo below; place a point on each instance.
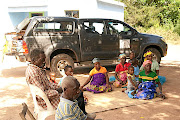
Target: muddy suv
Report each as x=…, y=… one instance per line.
x=66, y=41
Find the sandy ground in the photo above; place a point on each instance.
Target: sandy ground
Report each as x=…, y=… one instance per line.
x=14, y=91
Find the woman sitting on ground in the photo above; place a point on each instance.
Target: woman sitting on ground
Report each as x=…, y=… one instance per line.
x=148, y=80
x=154, y=66
x=99, y=79
x=121, y=71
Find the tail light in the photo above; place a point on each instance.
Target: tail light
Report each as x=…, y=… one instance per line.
x=25, y=47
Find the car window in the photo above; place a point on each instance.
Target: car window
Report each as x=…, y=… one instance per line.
x=60, y=27
x=118, y=28
x=94, y=27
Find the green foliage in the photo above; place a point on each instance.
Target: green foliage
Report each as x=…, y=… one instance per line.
x=169, y=36
x=177, y=28
x=153, y=13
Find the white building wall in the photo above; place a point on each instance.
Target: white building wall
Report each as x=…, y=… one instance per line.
x=57, y=7
x=106, y=10
x=87, y=8
x=5, y=22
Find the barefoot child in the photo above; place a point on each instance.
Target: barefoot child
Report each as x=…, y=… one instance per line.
x=68, y=72
x=131, y=85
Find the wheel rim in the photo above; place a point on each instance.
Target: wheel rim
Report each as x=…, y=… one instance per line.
x=61, y=65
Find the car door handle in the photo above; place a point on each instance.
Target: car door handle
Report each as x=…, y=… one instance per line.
x=135, y=39
x=87, y=40
x=111, y=38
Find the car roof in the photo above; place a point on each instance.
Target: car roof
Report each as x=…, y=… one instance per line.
x=58, y=17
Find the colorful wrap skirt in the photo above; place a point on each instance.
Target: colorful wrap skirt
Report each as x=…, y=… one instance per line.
x=146, y=90
x=123, y=76
x=98, y=84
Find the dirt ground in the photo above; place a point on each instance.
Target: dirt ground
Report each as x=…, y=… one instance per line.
x=14, y=91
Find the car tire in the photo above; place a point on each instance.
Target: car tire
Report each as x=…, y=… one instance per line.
x=58, y=63
x=156, y=54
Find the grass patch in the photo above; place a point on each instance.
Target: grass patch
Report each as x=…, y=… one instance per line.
x=169, y=36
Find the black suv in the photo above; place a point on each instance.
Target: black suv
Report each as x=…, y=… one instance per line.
x=66, y=41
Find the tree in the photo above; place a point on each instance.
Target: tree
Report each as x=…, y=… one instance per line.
x=148, y=13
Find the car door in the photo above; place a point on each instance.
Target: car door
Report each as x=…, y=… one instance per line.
x=126, y=36
x=65, y=35
x=57, y=34
x=42, y=34
x=91, y=39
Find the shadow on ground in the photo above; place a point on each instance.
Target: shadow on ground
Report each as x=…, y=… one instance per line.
x=14, y=72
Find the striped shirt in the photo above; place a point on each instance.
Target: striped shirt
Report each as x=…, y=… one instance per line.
x=151, y=76
x=69, y=110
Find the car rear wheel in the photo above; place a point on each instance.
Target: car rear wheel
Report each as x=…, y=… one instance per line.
x=156, y=54
x=59, y=62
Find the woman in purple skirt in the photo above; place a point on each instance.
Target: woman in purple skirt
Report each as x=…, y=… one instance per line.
x=99, y=79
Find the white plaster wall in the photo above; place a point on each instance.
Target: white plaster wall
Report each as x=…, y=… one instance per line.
x=5, y=22
x=106, y=10
x=28, y=9
x=23, y=3
x=57, y=7
x=87, y=9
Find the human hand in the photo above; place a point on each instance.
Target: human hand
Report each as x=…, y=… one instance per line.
x=135, y=88
x=81, y=88
x=107, y=85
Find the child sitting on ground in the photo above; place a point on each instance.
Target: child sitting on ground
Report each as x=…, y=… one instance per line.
x=136, y=69
x=68, y=72
x=52, y=77
x=131, y=85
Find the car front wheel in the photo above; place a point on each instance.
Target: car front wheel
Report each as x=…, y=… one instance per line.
x=59, y=62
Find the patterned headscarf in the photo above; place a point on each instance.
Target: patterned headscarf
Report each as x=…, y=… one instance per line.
x=122, y=55
x=146, y=62
x=146, y=54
